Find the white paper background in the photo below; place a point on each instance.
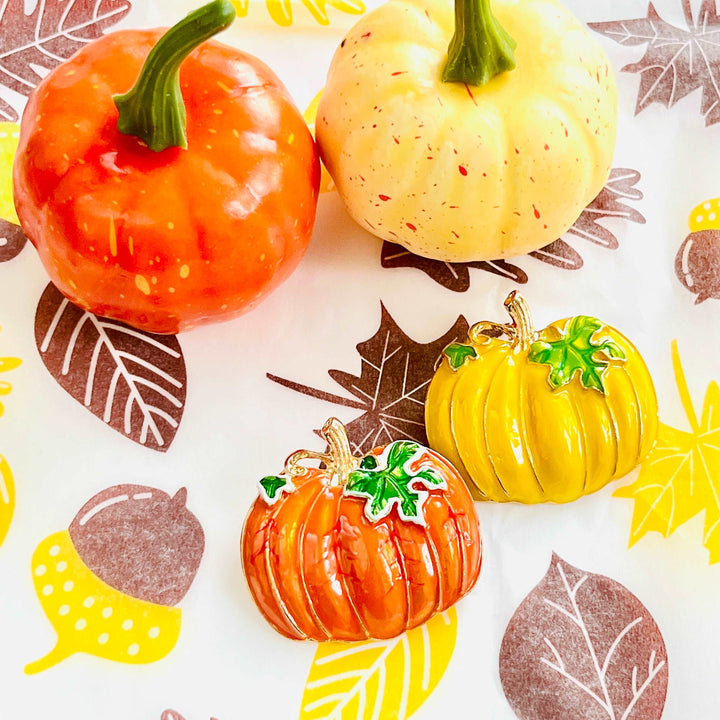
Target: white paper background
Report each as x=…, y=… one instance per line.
x=239, y=426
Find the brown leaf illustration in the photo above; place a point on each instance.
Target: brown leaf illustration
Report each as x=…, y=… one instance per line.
x=559, y=254
x=51, y=33
x=392, y=385
x=131, y=380
x=7, y=112
x=677, y=61
x=582, y=647
x=611, y=202
x=453, y=276
x=12, y=240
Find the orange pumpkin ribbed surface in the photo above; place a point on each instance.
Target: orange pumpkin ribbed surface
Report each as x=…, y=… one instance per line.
x=367, y=548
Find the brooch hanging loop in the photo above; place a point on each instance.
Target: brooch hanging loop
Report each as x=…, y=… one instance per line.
x=339, y=460
x=293, y=467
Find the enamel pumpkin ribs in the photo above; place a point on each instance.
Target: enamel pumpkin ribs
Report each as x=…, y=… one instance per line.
x=541, y=416
x=368, y=547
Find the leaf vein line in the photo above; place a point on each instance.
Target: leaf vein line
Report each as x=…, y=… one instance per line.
x=363, y=678
x=588, y=641
x=158, y=389
x=148, y=340
x=617, y=642
x=134, y=395
x=53, y=325
x=154, y=369
x=110, y=399
x=577, y=682
x=60, y=33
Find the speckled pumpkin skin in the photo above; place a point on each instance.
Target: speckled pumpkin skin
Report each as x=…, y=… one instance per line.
x=461, y=173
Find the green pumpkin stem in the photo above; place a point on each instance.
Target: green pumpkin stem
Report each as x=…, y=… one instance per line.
x=481, y=48
x=153, y=109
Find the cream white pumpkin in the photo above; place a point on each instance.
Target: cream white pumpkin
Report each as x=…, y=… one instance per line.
x=461, y=172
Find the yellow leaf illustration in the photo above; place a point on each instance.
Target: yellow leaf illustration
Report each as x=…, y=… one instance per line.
x=681, y=476
x=6, y=363
x=281, y=11
x=7, y=498
x=386, y=679
x=326, y=182
x=9, y=134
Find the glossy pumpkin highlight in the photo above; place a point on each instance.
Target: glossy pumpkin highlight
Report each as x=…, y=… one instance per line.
x=546, y=416
x=324, y=561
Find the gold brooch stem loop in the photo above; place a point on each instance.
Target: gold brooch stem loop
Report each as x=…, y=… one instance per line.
x=342, y=461
x=519, y=311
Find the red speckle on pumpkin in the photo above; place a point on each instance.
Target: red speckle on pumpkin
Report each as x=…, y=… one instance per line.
x=411, y=226
x=537, y=212
x=484, y=174
x=472, y=97
x=587, y=120
x=384, y=198
x=517, y=152
x=532, y=179
x=454, y=233
x=547, y=147
x=545, y=226
x=399, y=72
x=429, y=157
x=397, y=142
x=366, y=35
x=462, y=170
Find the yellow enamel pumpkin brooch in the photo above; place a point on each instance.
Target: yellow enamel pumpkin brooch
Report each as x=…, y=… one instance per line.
x=541, y=416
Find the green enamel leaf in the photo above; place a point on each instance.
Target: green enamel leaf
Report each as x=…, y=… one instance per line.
x=575, y=352
x=458, y=354
x=388, y=483
x=273, y=486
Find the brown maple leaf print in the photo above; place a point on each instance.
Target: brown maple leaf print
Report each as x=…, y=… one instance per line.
x=677, y=61
x=391, y=388
x=51, y=33
x=610, y=203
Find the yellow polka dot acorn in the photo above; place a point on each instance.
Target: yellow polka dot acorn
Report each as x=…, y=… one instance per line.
x=110, y=583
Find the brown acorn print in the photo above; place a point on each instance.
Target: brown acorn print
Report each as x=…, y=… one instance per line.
x=109, y=584
x=582, y=647
x=697, y=263
x=140, y=541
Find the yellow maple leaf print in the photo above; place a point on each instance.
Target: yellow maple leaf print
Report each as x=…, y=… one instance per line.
x=681, y=476
x=281, y=11
x=379, y=678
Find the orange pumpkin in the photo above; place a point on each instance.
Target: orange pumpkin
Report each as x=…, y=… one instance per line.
x=366, y=548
